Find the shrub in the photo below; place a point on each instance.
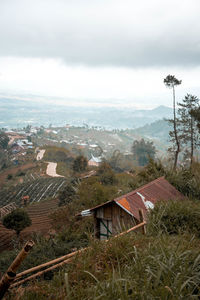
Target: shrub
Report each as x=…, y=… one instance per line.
x=106, y=174
x=21, y=173
x=80, y=163
x=186, y=181
x=17, y=220
x=67, y=194
x=108, y=178
x=154, y=169
x=10, y=176
x=103, y=168
x=174, y=217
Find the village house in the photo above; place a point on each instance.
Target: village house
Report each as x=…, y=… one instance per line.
x=95, y=161
x=123, y=212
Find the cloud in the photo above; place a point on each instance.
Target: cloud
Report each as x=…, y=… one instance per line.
x=124, y=33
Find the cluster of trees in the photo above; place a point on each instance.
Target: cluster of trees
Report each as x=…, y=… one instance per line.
x=106, y=174
x=80, y=164
x=68, y=194
x=184, y=135
x=143, y=151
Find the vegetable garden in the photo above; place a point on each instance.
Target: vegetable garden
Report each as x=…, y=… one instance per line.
x=37, y=190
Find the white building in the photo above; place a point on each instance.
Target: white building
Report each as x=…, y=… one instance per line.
x=95, y=161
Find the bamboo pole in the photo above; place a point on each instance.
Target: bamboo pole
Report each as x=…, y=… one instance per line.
x=57, y=260
x=9, y=276
x=131, y=229
x=41, y=272
x=66, y=261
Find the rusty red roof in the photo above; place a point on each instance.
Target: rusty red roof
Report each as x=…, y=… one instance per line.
x=145, y=197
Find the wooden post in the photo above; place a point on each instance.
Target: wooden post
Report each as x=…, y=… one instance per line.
x=142, y=219
x=9, y=276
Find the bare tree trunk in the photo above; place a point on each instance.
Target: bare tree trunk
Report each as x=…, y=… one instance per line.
x=175, y=132
x=192, y=143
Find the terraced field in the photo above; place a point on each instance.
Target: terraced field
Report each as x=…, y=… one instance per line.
x=37, y=189
x=41, y=223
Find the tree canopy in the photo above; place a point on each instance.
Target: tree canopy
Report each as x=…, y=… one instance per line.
x=143, y=150
x=196, y=114
x=80, y=163
x=171, y=81
x=189, y=136
x=17, y=220
x=68, y=194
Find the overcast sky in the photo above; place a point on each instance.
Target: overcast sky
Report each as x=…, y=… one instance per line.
x=100, y=51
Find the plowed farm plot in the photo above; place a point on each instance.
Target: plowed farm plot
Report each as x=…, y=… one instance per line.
x=37, y=190
x=41, y=223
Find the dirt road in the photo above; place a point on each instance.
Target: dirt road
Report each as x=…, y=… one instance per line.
x=51, y=170
x=40, y=154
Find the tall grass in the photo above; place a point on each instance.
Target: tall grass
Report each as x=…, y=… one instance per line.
x=130, y=267
x=175, y=217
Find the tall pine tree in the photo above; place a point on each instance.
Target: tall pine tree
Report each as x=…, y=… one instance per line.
x=189, y=134
x=171, y=82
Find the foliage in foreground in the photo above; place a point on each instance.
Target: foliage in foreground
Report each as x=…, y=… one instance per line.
x=130, y=267
x=187, y=181
x=174, y=217
x=164, y=264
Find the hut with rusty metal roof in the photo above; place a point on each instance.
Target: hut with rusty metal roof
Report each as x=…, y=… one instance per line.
x=123, y=212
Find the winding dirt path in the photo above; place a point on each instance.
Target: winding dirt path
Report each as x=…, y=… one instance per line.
x=40, y=154
x=51, y=170
x=51, y=167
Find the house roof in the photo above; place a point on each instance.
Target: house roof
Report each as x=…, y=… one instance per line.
x=96, y=159
x=145, y=197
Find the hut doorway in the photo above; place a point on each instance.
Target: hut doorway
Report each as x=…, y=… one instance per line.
x=105, y=229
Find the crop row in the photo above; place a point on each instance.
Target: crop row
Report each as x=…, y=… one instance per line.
x=37, y=190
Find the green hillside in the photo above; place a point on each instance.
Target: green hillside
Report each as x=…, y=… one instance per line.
x=163, y=264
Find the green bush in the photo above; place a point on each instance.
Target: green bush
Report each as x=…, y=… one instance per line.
x=10, y=176
x=17, y=220
x=186, y=181
x=174, y=217
x=108, y=178
x=68, y=194
x=80, y=164
x=20, y=173
x=153, y=170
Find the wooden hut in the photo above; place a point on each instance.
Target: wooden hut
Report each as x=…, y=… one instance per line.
x=95, y=161
x=123, y=212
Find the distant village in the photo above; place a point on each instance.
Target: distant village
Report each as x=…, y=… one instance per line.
x=22, y=142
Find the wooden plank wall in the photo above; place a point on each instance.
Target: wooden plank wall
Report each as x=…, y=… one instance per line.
x=121, y=220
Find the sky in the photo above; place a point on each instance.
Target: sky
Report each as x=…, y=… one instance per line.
x=92, y=52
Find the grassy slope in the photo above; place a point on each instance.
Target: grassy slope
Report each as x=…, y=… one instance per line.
x=129, y=267
x=162, y=265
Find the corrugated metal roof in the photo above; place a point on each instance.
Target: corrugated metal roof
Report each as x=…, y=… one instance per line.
x=145, y=197
x=96, y=159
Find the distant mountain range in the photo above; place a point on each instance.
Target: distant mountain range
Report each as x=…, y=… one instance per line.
x=19, y=113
